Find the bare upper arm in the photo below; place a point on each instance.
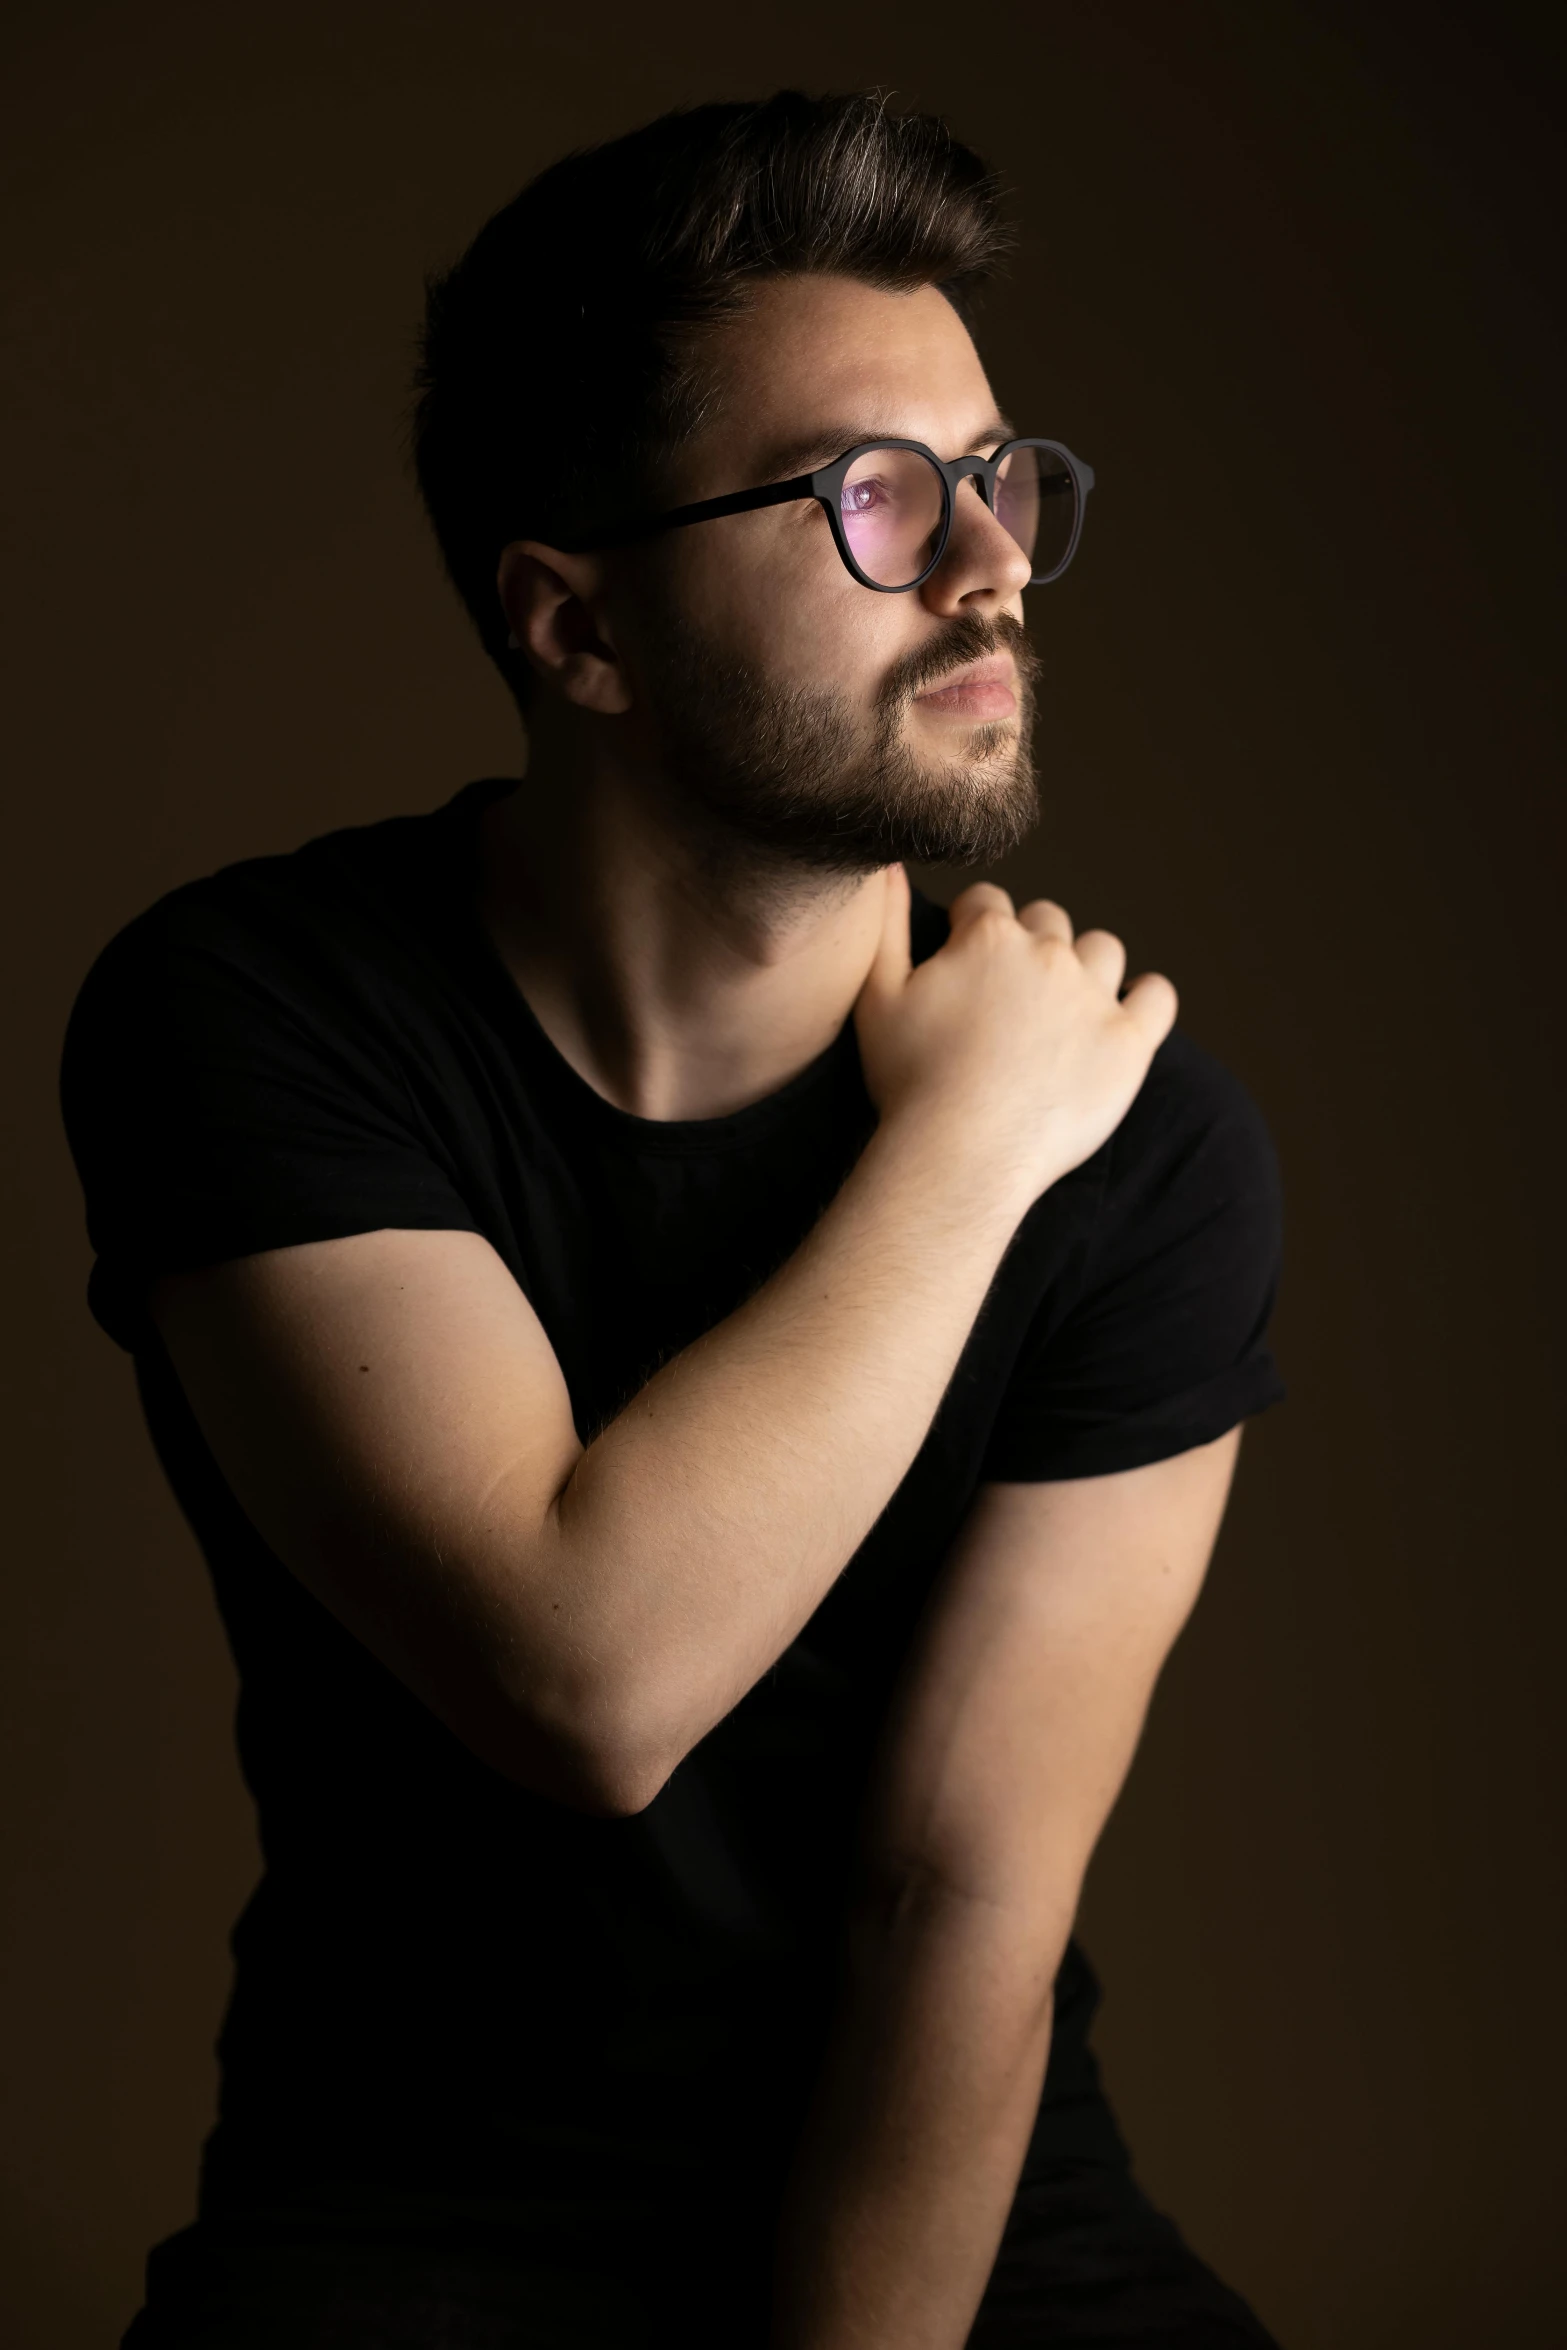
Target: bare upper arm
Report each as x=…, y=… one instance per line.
x=391, y=1416
x=1026, y=1688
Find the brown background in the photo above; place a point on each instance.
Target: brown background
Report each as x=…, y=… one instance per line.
x=1285, y=283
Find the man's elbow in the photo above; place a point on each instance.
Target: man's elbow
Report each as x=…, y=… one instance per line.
x=604, y=1783
x=616, y=1785
x=579, y=1717
x=587, y=1756
x=618, y=1769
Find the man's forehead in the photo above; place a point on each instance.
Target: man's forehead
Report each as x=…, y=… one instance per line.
x=818, y=364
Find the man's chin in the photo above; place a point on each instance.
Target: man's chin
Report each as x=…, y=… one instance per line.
x=981, y=827
x=978, y=746
x=967, y=810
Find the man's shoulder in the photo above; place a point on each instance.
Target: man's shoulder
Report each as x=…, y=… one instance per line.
x=297, y=943
x=1194, y=1141
x=1189, y=1089
x=342, y=889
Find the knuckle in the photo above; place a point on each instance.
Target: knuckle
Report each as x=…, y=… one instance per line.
x=995, y=919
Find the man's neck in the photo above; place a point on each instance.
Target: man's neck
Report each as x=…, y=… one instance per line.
x=675, y=981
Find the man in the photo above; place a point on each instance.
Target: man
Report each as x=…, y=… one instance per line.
x=707, y=1383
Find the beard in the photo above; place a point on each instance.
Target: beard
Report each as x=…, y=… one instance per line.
x=775, y=782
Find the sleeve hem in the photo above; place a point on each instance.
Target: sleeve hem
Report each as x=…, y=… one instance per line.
x=117, y=1284
x=1132, y=1443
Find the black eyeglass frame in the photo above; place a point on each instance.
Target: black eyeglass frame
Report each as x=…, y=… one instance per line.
x=826, y=486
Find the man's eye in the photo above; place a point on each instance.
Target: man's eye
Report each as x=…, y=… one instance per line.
x=860, y=496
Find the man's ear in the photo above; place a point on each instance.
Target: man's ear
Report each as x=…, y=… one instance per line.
x=555, y=604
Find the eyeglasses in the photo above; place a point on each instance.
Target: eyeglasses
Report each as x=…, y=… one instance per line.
x=890, y=507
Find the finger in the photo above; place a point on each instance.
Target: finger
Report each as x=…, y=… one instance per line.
x=893, y=959
x=1152, y=1001
x=1046, y=919
x=980, y=897
x=1105, y=957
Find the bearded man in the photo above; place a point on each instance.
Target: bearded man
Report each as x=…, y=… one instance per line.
x=707, y=1381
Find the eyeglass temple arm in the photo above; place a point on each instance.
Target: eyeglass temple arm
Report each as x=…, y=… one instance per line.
x=777, y=493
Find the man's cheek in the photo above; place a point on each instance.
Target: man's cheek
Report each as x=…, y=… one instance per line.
x=830, y=647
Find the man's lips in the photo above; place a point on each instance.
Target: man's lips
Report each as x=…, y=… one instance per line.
x=982, y=689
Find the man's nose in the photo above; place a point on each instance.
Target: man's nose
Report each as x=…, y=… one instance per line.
x=981, y=557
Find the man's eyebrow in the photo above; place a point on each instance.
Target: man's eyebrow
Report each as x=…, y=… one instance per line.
x=788, y=458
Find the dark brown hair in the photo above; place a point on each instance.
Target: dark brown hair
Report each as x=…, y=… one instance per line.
x=560, y=357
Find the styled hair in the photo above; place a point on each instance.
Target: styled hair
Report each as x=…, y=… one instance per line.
x=560, y=361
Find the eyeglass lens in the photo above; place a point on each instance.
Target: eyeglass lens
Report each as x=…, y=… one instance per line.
x=1036, y=500
x=891, y=505
x=892, y=502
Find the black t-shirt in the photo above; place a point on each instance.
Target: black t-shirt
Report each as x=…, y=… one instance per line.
x=444, y=1983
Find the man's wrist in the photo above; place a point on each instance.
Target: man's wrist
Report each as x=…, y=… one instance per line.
x=950, y=1161
x=910, y=2156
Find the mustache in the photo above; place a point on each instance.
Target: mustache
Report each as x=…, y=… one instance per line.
x=968, y=638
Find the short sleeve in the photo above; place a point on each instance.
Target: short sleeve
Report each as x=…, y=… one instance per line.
x=1165, y=1342
x=218, y=1102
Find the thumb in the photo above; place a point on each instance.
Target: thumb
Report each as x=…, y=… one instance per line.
x=893, y=960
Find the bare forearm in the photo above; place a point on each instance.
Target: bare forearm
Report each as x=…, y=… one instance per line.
x=705, y=1524
x=910, y=2156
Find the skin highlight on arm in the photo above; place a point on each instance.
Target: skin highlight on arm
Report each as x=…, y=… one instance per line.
x=1010, y=1738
